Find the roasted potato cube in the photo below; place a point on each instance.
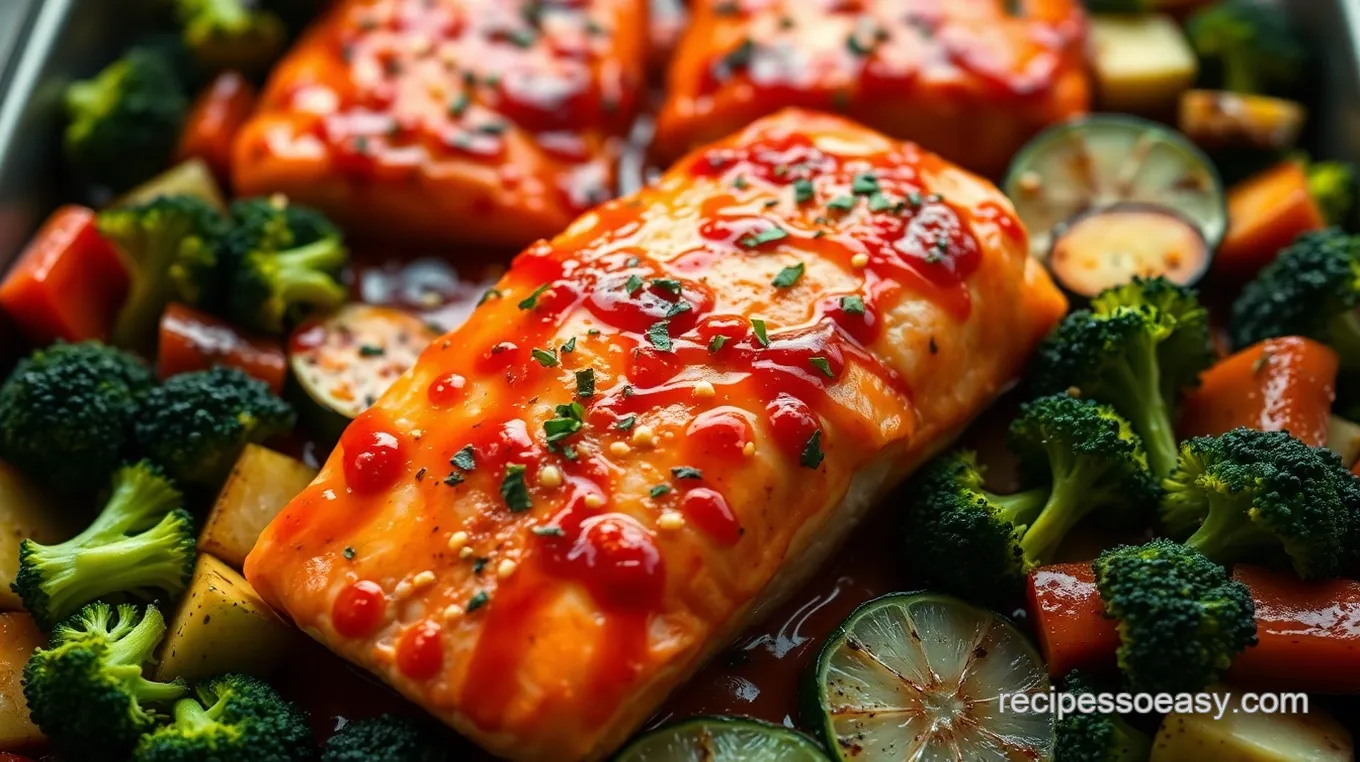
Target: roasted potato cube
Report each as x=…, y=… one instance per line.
x=19, y=636
x=1142, y=63
x=260, y=485
x=222, y=625
x=26, y=512
x=1241, y=737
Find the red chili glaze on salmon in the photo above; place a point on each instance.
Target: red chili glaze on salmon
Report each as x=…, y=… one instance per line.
x=971, y=79
x=456, y=121
x=668, y=415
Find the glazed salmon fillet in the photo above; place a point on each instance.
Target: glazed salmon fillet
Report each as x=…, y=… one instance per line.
x=661, y=422
x=491, y=122
x=969, y=79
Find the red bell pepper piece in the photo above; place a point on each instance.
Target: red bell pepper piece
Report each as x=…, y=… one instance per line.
x=1309, y=633
x=1070, y=619
x=68, y=284
x=191, y=340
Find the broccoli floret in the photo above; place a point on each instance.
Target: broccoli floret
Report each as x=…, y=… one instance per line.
x=165, y=241
x=1181, y=618
x=86, y=691
x=1091, y=460
x=140, y=543
x=66, y=413
x=962, y=539
x=1248, y=491
x=124, y=123
x=231, y=34
x=1252, y=43
x=1312, y=289
x=227, y=719
x=1332, y=185
x=196, y=424
x=286, y=261
x=387, y=739
x=1137, y=348
x=1097, y=736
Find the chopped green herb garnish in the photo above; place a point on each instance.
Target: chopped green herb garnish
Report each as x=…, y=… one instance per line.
x=812, y=451
x=740, y=182
x=864, y=185
x=632, y=262
x=453, y=479
x=852, y=305
x=660, y=335
x=841, y=203
x=717, y=343
x=479, y=563
x=678, y=308
x=822, y=364
x=548, y=531
x=686, y=472
x=592, y=332
x=659, y=490
x=523, y=38
x=547, y=358
x=803, y=191
x=775, y=233
x=881, y=203
x=585, y=382
x=514, y=490
x=371, y=350
x=459, y=105
x=570, y=346
x=667, y=284
x=420, y=474
x=758, y=326
x=465, y=458
x=488, y=295
x=569, y=420
x=531, y=301
x=788, y=276
x=349, y=554
x=478, y=600
x=914, y=199
x=626, y=423
x=628, y=390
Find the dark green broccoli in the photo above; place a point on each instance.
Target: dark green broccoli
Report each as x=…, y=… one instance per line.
x=196, y=424
x=1332, y=185
x=165, y=241
x=66, y=413
x=1091, y=460
x=227, y=719
x=141, y=543
x=86, y=691
x=1181, y=618
x=961, y=538
x=1312, y=289
x=231, y=34
x=286, y=261
x=1097, y=736
x=1137, y=348
x=124, y=123
x=1247, y=492
x=1252, y=44
x=387, y=739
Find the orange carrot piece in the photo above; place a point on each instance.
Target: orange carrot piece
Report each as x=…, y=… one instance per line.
x=1284, y=384
x=217, y=115
x=191, y=340
x=1069, y=618
x=1266, y=212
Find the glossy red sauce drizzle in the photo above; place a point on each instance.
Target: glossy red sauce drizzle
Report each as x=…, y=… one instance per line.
x=420, y=652
x=373, y=459
x=358, y=609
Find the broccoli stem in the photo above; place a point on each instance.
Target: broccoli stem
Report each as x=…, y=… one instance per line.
x=1067, y=504
x=1021, y=508
x=140, y=498
x=190, y=715
x=1237, y=72
x=135, y=646
x=1227, y=531
x=1145, y=407
x=153, y=559
x=1343, y=335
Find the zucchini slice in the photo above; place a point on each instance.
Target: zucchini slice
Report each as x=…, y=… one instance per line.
x=345, y=361
x=722, y=739
x=919, y=676
x=1107, y=247
x=1099, y=161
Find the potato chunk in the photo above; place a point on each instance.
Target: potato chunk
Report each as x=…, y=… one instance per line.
x=25, y=513
x=1242, y=737
x=260, y=485
x=1142, y=63
x=19, y=636
x=222, y=625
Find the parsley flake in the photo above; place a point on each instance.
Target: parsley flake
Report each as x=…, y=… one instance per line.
x=569, y=420
x=803, y=191
x=546, y=357
x=667, y=284
x=465, y=458
x=548, y=531
x=632, y=285
x=775, y=233
x=660, y=335
x=488, y=295
x=686, y=472
x=812, y=451
x=822, y=364
x=453, y=479
x=585, y=382
x=570, y=346
x=788, y=276
x=716, y=343
x=626, y=423
x=864, y=185
x=531, y=301
x=881, y=203
x=758, y=326
x=841, y=203
x=480, y=599
x=349, y=554
x=852, y=305
x=514, y=490
x=679, y=307
x=659, y=490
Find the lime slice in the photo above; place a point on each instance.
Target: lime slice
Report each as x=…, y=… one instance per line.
x=919, y=676
x=722, y=739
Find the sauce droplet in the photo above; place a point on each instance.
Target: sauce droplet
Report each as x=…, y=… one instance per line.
x=447, y=390
x=709, y=511
x=420, y=654
x=358, y=609
x=373, y=459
